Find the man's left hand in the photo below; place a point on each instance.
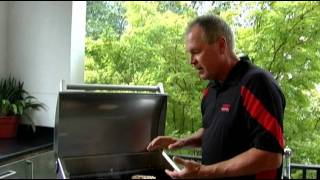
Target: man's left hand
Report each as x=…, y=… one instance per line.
x=191, y=169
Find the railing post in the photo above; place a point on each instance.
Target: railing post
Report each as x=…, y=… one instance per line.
x=304, y=173
x=286, y=174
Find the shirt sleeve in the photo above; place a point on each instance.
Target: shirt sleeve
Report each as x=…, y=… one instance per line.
x=264, y=104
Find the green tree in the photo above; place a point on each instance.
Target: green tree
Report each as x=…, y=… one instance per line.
x=102, y=15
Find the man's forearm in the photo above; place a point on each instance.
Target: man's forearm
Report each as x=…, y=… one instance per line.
x=250, y=162
x=195, y=139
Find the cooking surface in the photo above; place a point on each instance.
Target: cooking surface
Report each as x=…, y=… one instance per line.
x=114, y=163
x=158, y=174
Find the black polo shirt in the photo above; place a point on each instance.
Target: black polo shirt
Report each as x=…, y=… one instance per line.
x=246, y=111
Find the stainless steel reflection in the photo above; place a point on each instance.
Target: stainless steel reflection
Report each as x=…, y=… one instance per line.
x=103, y=132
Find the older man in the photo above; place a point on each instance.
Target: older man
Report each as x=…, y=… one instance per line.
x=242, y=111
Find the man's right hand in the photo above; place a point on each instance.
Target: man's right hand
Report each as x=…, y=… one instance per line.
x=165, y=142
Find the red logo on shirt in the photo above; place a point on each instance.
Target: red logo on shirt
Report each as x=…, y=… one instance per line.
x=225, y=108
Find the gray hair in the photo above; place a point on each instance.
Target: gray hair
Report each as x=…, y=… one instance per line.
x=213, y=27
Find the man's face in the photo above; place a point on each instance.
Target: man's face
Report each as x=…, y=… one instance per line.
x=206, y=58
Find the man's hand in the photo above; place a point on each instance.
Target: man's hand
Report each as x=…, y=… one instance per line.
x=191, y=169
x=165, y=142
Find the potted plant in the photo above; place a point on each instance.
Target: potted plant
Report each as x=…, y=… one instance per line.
x=16, y=103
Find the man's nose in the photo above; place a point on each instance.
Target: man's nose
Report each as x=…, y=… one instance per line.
x=193, y=60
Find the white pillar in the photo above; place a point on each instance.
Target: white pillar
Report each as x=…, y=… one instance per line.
x=41, y=51
x=3, y=38
x=78, y=33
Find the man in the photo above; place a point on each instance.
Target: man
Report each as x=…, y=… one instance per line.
x=242, y=111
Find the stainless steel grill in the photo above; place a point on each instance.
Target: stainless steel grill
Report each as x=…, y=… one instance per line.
x=104, y=134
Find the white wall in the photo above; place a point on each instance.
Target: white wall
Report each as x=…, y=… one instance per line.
x=39, y=50
x=3, y=38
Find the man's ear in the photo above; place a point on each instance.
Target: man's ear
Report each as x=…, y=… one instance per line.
x=222, y=44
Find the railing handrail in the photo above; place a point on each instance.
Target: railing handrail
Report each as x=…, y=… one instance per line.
x=306, y=166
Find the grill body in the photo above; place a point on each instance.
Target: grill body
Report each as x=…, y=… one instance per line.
x=104, y=134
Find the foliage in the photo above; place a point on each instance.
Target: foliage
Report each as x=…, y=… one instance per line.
x=15, y=100
x=281, y=37
x=104, y=14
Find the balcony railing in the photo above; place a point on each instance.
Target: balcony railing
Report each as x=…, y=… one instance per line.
x=306, y=168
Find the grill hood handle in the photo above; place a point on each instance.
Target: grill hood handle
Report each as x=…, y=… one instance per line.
x=91, y=87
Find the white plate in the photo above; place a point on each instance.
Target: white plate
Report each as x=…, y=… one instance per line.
x=170, y=161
